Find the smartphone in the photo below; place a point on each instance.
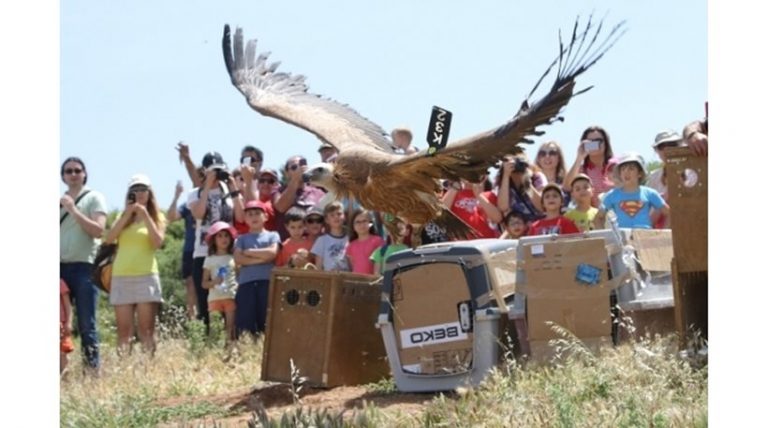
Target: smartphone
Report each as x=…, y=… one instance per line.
x=246, y=160
x=591, y=146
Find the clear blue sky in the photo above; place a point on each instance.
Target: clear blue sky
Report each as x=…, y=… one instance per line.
x=136, y=77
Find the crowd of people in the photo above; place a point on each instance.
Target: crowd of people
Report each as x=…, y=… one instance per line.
x=243, y=221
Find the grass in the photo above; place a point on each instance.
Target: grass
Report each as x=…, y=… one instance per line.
x=642, y=383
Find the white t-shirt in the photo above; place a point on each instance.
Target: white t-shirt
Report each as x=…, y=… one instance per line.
x=213, y=213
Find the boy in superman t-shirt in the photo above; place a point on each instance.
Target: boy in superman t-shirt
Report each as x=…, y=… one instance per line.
x=632, y=201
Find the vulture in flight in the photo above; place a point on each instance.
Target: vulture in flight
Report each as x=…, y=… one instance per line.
x=367, y=168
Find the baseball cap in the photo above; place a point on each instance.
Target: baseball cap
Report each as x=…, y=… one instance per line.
x=551, y=186
x=139, y=179
x=325, y=146
x=269, y=171
x=213, y=160
x=255, y=205
x=581, y=176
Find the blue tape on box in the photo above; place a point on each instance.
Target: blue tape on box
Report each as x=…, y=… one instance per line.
x=588, y=274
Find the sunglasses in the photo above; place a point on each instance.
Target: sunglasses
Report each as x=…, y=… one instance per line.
x=73, y=171
x=314, y=220
x=139, y=189
x=362, y=221
x=302, y=162
x=599, y=140
x=253, y=160
x=551, y=153
x=663, y=146
x=267, y=180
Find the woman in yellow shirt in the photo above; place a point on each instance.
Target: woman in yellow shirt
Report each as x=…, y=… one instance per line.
x=136, y=291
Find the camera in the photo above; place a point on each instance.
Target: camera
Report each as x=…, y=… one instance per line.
x=132, y=197
x=520, y=165
x=222, y=175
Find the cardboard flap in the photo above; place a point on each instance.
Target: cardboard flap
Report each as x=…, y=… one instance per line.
x=654, y=248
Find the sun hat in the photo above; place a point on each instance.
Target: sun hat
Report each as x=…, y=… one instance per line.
x=667, y=136
x=269, y=171
x=218, y=227
x=630, y=157
x=139, y=179
x=324, y=146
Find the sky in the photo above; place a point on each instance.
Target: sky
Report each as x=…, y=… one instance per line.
x=118, y=84
x=137, y=77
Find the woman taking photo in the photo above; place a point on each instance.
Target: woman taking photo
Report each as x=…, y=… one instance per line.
x=136, y=291
x=517, y=186
x=592, y=158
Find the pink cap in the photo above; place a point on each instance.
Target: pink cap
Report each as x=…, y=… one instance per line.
x=218, y=227
x=255, y=205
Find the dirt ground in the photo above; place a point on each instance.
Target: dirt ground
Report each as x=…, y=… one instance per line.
x=277, y=398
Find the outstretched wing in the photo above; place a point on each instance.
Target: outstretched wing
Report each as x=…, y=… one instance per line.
x=284, y=96
x=471, y=157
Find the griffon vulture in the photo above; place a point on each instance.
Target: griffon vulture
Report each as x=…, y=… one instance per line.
x=367, y=168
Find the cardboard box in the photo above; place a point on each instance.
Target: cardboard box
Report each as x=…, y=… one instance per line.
x=567, y=283
x=653, y=248
x=427, y=304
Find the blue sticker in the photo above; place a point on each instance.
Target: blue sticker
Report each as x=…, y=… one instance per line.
x=588, y=274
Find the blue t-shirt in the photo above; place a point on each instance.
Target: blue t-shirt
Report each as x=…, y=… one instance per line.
x=189, y=228
x=250, y=241
x=633, y=210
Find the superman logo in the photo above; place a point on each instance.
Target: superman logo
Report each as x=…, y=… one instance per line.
x=631, y=207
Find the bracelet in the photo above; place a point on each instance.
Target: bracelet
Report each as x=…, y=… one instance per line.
x=234, y=193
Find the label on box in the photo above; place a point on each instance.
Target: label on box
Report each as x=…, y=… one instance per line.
x=588, y=274
x=537, y=250
x=431, y=335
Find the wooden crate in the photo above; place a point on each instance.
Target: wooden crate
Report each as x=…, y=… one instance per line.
x=687, y=181
x=325, y=322
x=649, y=322
x=691, y=303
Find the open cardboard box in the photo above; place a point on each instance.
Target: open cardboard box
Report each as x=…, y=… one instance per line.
x=567, y=283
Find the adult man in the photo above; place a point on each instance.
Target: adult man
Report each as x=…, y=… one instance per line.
x=83, y=216
x=251, y=161
x=213, y=201
x=663, y=140
x=295, y=193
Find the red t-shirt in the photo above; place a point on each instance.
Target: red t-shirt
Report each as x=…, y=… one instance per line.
x=557, y=226
x=290, y=247
x=467, y=207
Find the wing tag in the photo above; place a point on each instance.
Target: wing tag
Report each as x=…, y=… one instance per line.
x=438, y=130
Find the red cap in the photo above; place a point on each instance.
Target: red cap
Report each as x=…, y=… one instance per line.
x=256, y=205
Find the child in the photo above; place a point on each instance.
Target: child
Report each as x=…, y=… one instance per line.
x=631, y=202
x=553, y=222
x=380, y=255
x=255, y=253
x=219, y=273
x=363, y=240
x=583, y=215
x=329, y=248
x=290, y=253
x=314, y=222
x=514, y=225
x=65, y=326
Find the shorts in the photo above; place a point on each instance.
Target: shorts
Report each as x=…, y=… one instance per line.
x=221, y=305
x=128, y=290
x=66, y=345
x=186, y=264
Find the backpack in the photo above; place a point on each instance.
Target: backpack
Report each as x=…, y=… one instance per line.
x=102, y=266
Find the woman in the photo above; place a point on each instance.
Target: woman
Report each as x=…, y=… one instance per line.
x=517, y=188
x=136, y=291
x=551, y=162
x=592, y=158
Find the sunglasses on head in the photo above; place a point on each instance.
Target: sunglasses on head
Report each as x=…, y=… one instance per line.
x=302, y=162
x=314, y=220
x=73, y=171
x=267, y=180
x=552, y=153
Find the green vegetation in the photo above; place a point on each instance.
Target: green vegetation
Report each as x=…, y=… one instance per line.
x=193, y=376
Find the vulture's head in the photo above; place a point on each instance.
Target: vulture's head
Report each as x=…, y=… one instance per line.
x=321, y=175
